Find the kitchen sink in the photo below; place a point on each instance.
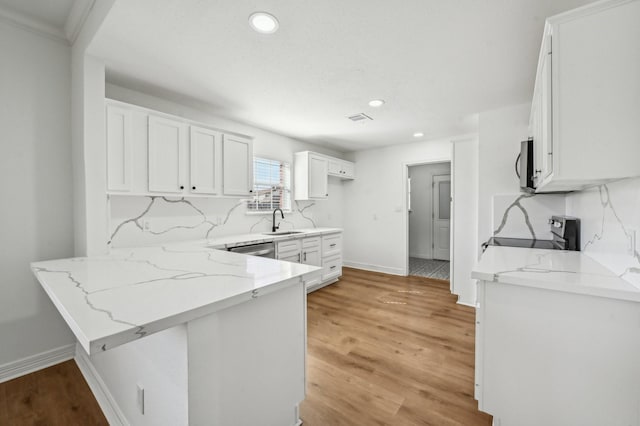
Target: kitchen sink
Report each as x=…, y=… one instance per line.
x=282, y=233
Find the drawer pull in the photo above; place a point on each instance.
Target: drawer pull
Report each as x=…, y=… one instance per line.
x=332, y=245
x=333, y=267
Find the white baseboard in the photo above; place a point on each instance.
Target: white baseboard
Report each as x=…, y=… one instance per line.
x=14, y=369
x=375, y=268
x=421, y=256
x=471, y=305
x=106, y=401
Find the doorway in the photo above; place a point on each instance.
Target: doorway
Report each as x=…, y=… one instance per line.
x=429, y=210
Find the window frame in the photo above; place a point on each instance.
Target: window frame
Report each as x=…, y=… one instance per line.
x=289, y=188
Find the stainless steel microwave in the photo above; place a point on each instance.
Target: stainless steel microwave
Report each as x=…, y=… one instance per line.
x=524, y=166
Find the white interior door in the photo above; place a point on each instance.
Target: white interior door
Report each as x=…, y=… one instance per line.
x=441, y=216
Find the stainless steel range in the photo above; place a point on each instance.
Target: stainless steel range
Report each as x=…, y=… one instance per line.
x=566, y=236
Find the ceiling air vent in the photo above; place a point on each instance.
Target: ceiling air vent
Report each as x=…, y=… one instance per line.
x=359, y=117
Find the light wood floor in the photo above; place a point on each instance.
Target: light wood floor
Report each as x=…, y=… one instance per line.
x=382, y=350
x=388, y=350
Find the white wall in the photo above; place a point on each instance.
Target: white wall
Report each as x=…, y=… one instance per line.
x=35, y=168
x=375, y=215
x=500, y=134
x=464, y=223
x=421, y=218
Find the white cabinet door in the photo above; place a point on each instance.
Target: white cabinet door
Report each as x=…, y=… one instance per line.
x=348, y=170
x=334, y=167
x=312, y=256
x=237, y=166
x=545, y=112
x=318, y=177
x=331, y=268
x=290, y=257
x=204, y=144
x=119, y=148
x=167, y=146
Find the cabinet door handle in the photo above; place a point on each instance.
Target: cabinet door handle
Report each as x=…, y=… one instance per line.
x=298, y=257
x=305, y=256
x=181, y=186
x=332, y=245
x=251, y=190
x=193, y=188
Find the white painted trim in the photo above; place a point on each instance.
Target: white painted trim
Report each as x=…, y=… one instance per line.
x=424, y=256
x=30, y=364
x=32, y=25
x=77, y=16
x=405, y=203
x=106, y=401
x=459, y=302
x=322, y=284
x=374, y=268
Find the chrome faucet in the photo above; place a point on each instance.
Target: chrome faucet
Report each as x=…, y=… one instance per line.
x=274, y=227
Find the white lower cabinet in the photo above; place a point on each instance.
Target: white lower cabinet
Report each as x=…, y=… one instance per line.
x=324, y=251
x=547, y=357
x=289, y=250
x=331, y=257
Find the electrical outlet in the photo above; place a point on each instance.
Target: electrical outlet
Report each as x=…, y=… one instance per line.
x=140, y=399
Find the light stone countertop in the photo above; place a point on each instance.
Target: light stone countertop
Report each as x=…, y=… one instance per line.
x=117, y=298
x=235, y=240
x=560, y=270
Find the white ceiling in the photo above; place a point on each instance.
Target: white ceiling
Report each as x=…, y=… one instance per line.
x=437, y=63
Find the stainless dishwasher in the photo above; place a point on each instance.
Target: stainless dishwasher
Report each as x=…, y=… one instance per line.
x=261, y=249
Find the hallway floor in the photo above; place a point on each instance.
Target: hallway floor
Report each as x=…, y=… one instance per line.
x=430, y=268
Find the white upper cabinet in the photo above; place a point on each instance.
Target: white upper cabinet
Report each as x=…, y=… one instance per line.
x=341, y=168
x=152, y=153
x=237, y=166
x=205, y=150
x=586, y=105
x=167, y=155
x=119, y=149
x=311, y=174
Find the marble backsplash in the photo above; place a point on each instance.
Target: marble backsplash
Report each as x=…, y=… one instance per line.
x=610, y=220
x=526, y=215
x=137, y=221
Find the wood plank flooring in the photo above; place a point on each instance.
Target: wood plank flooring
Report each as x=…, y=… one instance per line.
x=55, y=396
x=389, y=350
x=382, y=350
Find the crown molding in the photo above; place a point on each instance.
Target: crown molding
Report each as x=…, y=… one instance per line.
x=32, y=25
x=77, y=16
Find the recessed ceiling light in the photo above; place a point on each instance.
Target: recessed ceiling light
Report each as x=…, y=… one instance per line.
x=376, y=103
x=418, y=134
x=264, y=23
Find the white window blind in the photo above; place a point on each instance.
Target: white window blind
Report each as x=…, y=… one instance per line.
x=271, y=186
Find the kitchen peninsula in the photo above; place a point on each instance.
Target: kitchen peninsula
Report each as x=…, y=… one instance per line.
x=202, y=333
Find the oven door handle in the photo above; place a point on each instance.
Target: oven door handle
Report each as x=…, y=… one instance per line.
x=259, y=252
